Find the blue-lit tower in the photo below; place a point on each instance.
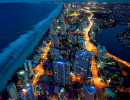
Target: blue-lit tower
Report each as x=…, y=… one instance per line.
x=28, y=67
x=82, y=64
x=27, y=93
x=61, y=71
x=12, y=91
x=88, y=92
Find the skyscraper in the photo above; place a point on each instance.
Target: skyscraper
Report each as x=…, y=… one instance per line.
x=22, y=76
x=101, y=54
x=54, y=53
x=69, y=36
x=55, y=41
x=82, y=64
x=28, y=67
x=74, y=40
x=61, y=71
x=27, y=93
x=63, y=29
x=81, y=28
x=54, y=23
x=81, y=44
x=12, y=91
x=84, y=24
x=88, y=92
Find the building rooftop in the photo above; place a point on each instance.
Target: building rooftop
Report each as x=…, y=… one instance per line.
x=84, y=52
x=81, y=40
x=60, y=61
x=56, y=89
x=89, y=88
x=101, y=48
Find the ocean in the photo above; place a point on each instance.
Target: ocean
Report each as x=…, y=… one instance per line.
x=107, y=37
x=21, y=26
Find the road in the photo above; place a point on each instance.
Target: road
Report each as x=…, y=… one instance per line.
x=91, y=47
x=39, y=69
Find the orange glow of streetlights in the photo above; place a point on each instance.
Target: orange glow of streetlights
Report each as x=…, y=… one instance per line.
x=39, y=69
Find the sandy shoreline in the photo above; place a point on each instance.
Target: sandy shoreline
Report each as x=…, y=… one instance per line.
x=18, y=62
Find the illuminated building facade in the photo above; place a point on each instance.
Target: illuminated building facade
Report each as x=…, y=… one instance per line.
x=54, y=23
x=28, y=67
x=61, y=71
x=54, y=53
x=88, y=92
x=69, y=37
x=74, y=40
x=84, y=24
x=81, y=28
x=54, y=41
x=101, y=54
x=82, y=64
x=12, y=91
x=22, y=77
x=81, y=44
x=27, y=93
x=63, y=29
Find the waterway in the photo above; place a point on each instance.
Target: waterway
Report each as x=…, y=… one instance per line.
x=107, y=37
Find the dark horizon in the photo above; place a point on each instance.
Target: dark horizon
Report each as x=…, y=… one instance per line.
x=4, y=1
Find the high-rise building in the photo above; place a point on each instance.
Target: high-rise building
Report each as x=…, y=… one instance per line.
x=101, y=54
x=51, y=30
x=28, y=67
x=74, y=40
x=55, y=41
x=22, y=77
x=27, y=93
x=69, y=6
x=75, y=20
x=92, y=35
x=69, y=37
x=61, y=71
x=12, y=91
x=63, y=29
x=84, y=24
x=44, y=42
x=54, y=23
x=88, y=92
x=61, y=18
x=82, y=44
x=54, y=53
x=81, y=28
x=82, y=64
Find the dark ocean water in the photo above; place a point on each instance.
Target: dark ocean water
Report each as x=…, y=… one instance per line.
x=107, y=37
x=21, y=27
x=18, y=18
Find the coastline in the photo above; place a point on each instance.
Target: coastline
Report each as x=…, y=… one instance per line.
x=26, y=52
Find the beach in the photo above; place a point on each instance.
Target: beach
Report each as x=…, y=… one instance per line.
x=40, y=29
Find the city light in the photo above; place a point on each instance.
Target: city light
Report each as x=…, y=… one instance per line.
x=39, y=69
x=70, y=63
x=21, y=72
x=60, y=62
x=24, y=91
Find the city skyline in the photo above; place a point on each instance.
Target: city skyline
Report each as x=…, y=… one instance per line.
x=76, y=51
